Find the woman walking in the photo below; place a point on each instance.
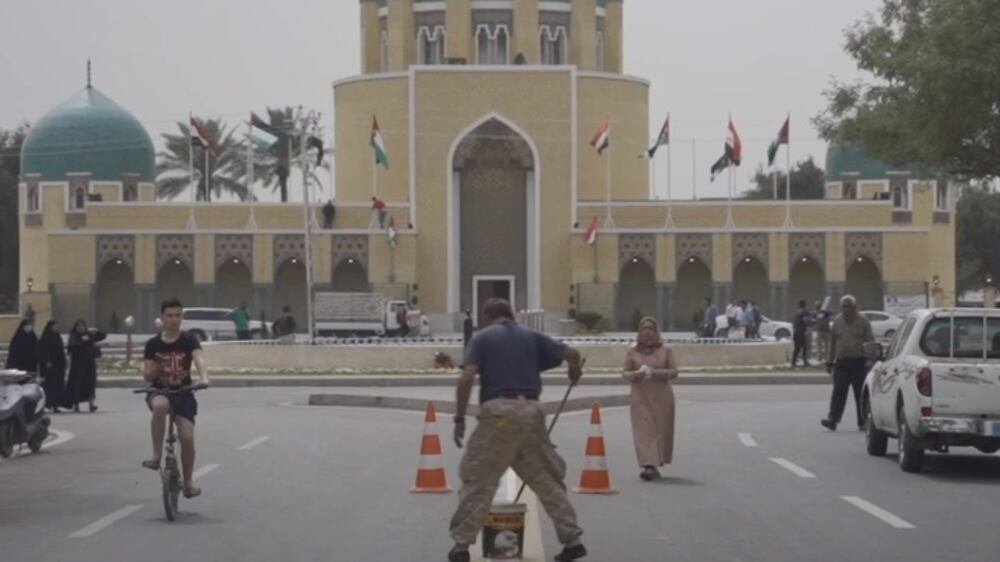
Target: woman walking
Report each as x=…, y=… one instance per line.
x=82, y=383
x=22, y=354
x=650, y=367
x=52, y=364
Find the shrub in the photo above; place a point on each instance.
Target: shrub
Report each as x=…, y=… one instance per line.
x=589, y=320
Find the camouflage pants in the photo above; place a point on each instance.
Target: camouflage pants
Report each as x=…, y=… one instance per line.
x=511, y=434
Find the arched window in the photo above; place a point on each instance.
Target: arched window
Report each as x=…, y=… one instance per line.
x=850, y=189
x=383, y=51
x=941, y=196
x=491, y=44
x=600, y=51
x=130, y=193
x=431, y=45
x=34, y=201
x=79, y=199
x=553, y=44
x=900, y=189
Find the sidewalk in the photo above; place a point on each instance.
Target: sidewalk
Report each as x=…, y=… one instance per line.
x=448, y=379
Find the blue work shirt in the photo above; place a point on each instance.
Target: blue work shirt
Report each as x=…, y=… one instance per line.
x=511, y=359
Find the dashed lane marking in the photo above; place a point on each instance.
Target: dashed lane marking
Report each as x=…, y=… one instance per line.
x=253, y=443
x=889, y=518
x=204, y=470
x=747, y=439
x=105, y=522
x=793, y=468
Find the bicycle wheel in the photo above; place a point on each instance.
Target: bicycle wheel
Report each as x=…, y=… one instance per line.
x=170, y=492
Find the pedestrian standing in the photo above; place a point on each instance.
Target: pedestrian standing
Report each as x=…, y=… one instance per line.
x=81, y=386
x=800, y=325
x=402, y=318
x=758, y=319
x=241, y=319
x=746, y=319
x=284, y=326
x=467, y=329
x=732, y=316
x=378, y=206
x=650, y=367
x=52, y=364
x=846, y=360
x=510, y=433
x=708, y=324
x=22, y=353
x=821, y=332
x=329, y=214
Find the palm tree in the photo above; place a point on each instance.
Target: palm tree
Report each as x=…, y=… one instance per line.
x=173, y=171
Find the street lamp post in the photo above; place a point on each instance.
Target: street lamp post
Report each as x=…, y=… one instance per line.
x=129, y=328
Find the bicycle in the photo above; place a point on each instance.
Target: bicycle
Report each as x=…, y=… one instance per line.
x=170, y=472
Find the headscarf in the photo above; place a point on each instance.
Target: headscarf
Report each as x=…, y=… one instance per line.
x=22, y=354
x=648, y=347
x=50, y=342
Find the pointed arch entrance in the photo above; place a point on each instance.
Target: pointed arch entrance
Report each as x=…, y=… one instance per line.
x=750, y=284
x=694, y=285
x=115, y=294
x=493, y=220
x=636, y=293
x=864, y=281
x=806, y=282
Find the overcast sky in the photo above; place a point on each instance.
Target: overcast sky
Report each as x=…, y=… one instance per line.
x=757, y=59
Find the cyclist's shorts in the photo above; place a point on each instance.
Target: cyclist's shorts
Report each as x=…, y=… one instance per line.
x=184, y=405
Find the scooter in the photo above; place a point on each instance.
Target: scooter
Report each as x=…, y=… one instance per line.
x=22, y=412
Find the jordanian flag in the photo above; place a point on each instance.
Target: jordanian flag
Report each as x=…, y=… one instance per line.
x=200, y=138
x=663, y=139
x=772, y=150
x=602, y=138
x=590, y=236
x=378, y=145
x=262, y=134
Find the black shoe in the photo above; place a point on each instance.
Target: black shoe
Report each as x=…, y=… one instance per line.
x=570, y=553
x=459, y=555
x=828, y=424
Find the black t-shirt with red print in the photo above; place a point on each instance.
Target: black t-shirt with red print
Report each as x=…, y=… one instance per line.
x=173, y=359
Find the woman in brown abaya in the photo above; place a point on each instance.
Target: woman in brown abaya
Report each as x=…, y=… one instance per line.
x=650, y=367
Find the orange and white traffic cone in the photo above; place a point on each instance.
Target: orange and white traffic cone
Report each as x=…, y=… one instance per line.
x=431, y=478
x=595, y=478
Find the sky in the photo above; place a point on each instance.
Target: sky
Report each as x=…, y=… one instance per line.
x=756, y=60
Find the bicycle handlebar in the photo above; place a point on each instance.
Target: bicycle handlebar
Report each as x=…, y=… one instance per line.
x=167, y=391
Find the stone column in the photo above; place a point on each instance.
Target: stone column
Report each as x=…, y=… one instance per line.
x=613, y=38
x=458, y=28
x=835, y=290
x=402, y=37
x=370, y=51
x=147, y=310
x=780, y=306
x=525, y=40
x=262, y=300
x=665, y=305
x=204, y=294
x=583, y=35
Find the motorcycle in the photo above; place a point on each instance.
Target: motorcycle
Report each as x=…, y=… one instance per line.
x=22, y=412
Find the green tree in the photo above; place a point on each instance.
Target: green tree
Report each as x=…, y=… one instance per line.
x=931, y=90
x=10, y=171
x=978, y=231
x=173, y=164
x=808, y=182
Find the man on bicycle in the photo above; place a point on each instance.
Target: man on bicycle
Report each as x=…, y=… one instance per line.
x=169, y=356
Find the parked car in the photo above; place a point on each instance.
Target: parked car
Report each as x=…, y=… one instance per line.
x=768, y=329
x=884, y=325
x=217, y=324
x=936, y=386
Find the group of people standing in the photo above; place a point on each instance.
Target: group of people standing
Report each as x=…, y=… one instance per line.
x=816, y=322
x=47, y=356
x=741, y=315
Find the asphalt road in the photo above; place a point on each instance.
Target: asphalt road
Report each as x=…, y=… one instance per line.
x=755, y=479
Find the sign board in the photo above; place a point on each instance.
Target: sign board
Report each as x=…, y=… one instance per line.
x=348, y=306
x=901, y=305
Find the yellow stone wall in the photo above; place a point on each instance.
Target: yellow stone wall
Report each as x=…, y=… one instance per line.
x=626, y=104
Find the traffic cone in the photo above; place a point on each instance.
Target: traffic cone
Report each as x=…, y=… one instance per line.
x=595, y=478
x=430, y=476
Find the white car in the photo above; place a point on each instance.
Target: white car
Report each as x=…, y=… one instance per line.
x=217, y=324
x=936, y=386
x=884, y=325
x=768, y=329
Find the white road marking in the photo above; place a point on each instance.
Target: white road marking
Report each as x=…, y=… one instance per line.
x=105, y=522
x=56, y=437
x=204, y=470
x=254, y=443
x=872, y=509
x=793, y=468
x=747, y=439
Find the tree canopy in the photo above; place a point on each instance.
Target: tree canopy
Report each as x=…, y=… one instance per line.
x=808, y=182
x=173, y=165
x=931, y=90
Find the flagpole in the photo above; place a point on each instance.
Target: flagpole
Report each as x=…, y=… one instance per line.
x=788, y=177
x=194, y=186
x=208, y=178
x=652, y=183
x=250, y=177
x=607, y=219
x=669, y=173
x=774, y=182
x=694, y=169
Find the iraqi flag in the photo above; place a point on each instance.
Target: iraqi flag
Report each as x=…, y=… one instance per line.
x=772, y=150
x=378, y=145
x=590, y=236
x=732, y=152
x=198, y=132
x=262, y=134
x=602, y=138
x=661, y=140
x=392, y=232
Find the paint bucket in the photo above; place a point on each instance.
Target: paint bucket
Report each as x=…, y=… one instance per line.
x=503, y=535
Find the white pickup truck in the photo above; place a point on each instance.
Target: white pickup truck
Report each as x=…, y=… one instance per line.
x=936, y=386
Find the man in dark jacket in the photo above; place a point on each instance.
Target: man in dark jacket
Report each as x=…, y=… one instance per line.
x=800, y=324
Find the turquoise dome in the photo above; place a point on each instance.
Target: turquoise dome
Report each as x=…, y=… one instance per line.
x=89, y=132
x=851, y=158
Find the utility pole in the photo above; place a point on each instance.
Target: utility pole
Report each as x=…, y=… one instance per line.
x=306, y=125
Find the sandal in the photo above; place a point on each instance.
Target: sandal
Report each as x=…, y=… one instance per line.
x=93, y=408
x=151, y=464
x=192, y=491
x=648, y=473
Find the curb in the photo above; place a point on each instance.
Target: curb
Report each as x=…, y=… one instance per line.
x=449, y=381
x=448, y=407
